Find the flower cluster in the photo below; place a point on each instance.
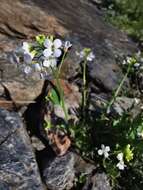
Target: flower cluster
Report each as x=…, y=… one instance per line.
x=136, y=61
x=86, y=54
x=42, y=54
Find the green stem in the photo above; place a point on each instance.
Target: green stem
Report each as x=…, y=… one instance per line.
x=118, y=89
x=63, y=58
x=84, y=84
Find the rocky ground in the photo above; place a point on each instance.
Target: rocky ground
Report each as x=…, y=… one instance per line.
x=27, y=161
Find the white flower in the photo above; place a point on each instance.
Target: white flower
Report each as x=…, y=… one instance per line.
x=121, y=165
x=57, y=53
x=47, y=52
x=67, y=45
x=90, y=56
x=57, y=43
x=52, y=48
x=104, y=151
x=48, y=43
x=27, y=69
x=120, y=156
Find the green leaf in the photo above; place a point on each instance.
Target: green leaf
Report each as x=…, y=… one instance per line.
x=48, y=125
x=54, y=97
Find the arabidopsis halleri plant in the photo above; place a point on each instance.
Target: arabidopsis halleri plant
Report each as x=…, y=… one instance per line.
x=104, y=151
x=42, y=55
x=87, y=54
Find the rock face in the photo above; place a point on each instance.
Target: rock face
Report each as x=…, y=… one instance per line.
x=59, y=173
x=18, y=168
x=99, y=181
x=78, y=21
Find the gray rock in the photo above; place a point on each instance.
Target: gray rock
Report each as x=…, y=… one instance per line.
x=18, y=168
x=123, y=104
x=99, y=181
x=59, y=172
x=78, y=21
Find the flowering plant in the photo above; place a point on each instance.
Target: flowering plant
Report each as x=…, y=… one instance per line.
x=46, y=56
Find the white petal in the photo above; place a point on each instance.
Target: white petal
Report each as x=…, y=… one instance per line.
x=57, y=52
x=46, y=63
x=107, y=148
x=120, y=156
x=100, y=152
x=102, y=146
x=106, y=155
x=48, y=43
x=57, y=43
x=47, y=52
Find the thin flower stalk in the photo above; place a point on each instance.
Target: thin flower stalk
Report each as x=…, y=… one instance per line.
x=62, y=61
x=84, y=84
x=118, y=89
